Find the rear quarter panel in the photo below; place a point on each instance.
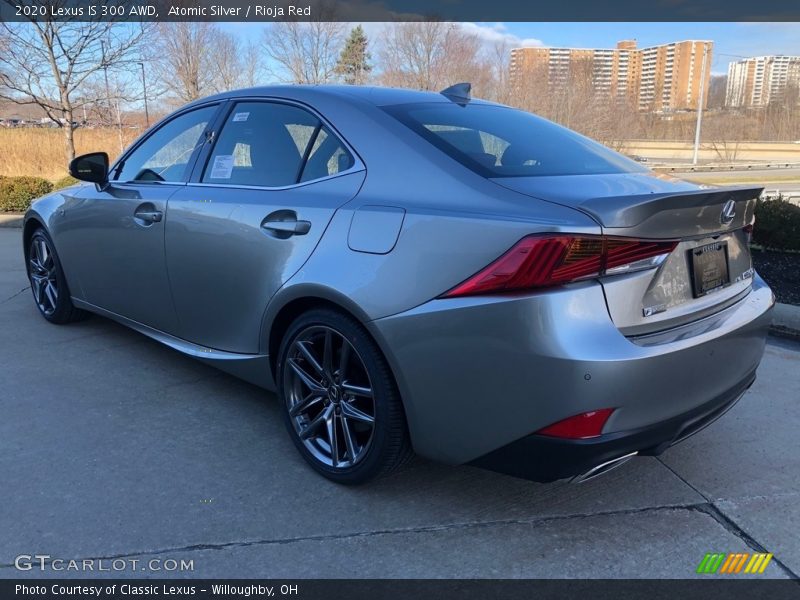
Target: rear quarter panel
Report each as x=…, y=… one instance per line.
x=455, y=222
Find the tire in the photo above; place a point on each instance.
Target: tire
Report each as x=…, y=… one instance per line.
x=316, y=392
x=48, y=284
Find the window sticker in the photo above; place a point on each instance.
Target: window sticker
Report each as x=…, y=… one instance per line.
x=242, y=116
x=223, y=166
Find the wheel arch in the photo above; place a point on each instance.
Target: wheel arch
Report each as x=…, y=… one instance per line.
x=31, y=224
x=293, y=302
x=302, y=298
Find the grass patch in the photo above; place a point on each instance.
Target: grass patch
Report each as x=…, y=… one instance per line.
x=39, y=152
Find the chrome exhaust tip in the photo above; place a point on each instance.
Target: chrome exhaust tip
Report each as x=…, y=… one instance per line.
x=603, y=468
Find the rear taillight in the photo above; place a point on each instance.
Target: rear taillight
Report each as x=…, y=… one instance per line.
x=541, y=261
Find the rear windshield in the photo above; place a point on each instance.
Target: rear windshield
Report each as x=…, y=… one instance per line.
x=496, y=141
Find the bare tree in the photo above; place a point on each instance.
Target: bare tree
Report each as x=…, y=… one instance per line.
x=225, y=61
x=252, y=65
x=717, y=87
x=46, y=63
x=304, y=52
x=430, y=55
x=183, y=64
x=498, y=62
x=411, y=54
x=530, y=89
x=466, y=61
x=196, y=59
x=781, y=117
x=114, y=92
x=572, y=96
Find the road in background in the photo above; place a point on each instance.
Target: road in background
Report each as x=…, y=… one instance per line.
x=785, y=180
x=112, y=445
x=671, y=150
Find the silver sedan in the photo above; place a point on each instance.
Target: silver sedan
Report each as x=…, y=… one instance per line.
x=417, y=271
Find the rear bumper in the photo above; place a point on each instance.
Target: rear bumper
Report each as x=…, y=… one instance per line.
x=480, y=375
x=544, y=459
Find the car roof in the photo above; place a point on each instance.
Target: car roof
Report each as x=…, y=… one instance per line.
x=379, y=96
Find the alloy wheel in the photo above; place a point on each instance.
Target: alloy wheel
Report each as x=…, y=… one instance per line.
x=43, y=275
x=329, y=397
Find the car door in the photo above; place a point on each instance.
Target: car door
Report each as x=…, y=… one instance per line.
x=113, y=235
x=257, y=205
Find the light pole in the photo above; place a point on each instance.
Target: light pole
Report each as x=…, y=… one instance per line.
x=108, y=96
x=144, y=90
x=700, y=104
x=105, y=74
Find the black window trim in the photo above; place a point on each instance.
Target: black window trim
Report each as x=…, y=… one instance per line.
x=201, y=163
x=307, y=152
x=190, y=165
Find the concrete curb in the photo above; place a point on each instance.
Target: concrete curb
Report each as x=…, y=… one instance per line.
x=786, y=321
x=11, y=219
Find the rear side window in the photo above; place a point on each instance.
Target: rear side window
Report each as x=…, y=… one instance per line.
x=268, y=144
x=497, y=141
x=327, y=156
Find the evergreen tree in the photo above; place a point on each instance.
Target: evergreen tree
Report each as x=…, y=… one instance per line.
x=353, y=63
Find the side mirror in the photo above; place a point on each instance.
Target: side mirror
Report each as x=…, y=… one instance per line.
x=90, y=167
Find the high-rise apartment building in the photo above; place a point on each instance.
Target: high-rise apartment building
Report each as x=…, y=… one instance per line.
x=659, y=78
x=757, y=81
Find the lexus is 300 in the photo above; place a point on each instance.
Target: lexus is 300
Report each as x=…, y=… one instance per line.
x=417, y=271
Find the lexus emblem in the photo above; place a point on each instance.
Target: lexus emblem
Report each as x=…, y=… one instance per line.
x=728, y=212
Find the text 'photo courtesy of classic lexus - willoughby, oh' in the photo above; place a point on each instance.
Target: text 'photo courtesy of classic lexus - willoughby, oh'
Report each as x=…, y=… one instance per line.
x=418, y=272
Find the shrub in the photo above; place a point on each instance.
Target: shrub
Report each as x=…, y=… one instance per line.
x=65, y=181
x=17, y=193
x=777, y=224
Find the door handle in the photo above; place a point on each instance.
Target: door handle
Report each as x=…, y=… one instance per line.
x=148, y=216
x=287, y=228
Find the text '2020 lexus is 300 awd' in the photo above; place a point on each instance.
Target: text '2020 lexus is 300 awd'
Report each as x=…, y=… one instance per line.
x=413, y=270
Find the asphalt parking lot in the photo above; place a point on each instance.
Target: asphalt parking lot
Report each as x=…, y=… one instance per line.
x=112, y=446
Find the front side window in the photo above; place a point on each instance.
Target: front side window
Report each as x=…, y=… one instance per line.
x=496, y=141
x=267, y=144
x=165, y=155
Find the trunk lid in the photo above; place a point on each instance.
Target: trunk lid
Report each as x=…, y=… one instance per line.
x=655, y=206
x=644, y=205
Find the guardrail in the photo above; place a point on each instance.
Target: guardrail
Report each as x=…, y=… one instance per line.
x=791, y=196
x=690, y=168
x=720, y=151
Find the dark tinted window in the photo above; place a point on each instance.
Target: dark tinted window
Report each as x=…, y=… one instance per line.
x=327, y=157
x=503, y=142
x=165, y=155
x=266, y=144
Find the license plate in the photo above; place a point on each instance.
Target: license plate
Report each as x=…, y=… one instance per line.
x=709, y=268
